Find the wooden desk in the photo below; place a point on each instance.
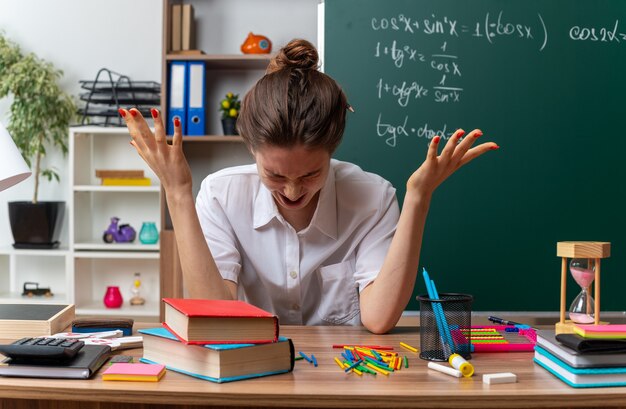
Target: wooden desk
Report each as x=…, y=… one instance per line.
x=325, y=386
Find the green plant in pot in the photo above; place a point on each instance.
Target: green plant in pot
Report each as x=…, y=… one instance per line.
x=40, y=114
x=229, y=107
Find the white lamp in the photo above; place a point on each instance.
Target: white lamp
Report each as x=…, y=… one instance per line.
x=13, y=168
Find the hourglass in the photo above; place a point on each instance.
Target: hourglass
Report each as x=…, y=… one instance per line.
x=581, y=310
x=585, y=268
x=136, y=299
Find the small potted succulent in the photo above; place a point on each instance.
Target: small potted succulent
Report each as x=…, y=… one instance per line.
x=229, y=107
x=40, y=114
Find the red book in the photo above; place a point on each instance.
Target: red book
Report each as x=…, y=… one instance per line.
x=196, y=321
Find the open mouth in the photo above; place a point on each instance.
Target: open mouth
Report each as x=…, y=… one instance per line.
x=292, y=203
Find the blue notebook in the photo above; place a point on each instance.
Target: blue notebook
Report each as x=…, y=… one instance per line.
x=217, y=362
x=580, y=377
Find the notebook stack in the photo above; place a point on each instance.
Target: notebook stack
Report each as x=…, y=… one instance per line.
x=218, y=341
x=592, y=357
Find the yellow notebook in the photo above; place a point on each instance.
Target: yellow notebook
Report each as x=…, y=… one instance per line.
x=126, y=181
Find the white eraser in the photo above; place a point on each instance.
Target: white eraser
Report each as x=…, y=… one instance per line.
x=503, y=377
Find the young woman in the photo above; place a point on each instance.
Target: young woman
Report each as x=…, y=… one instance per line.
x=312, y=239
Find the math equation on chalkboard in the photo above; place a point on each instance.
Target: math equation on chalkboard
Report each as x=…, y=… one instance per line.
x=423, y=56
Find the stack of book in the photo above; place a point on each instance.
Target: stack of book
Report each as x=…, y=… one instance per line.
x=218, y=341
x=112, y=177
x=584, y=359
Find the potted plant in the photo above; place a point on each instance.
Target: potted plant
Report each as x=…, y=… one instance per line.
x=229, y=107
x=40, y=114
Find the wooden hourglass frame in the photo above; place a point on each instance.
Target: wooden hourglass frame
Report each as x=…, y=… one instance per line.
x=593, y=250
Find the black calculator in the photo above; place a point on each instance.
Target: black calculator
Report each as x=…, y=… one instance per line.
x=42, y=348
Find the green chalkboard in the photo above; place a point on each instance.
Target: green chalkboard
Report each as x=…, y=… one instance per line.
x=545, y=80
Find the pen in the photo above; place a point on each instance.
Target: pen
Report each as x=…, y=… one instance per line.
x=501, y=321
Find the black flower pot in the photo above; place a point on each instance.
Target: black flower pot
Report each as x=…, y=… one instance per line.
x=36, y=225
x=229, y=126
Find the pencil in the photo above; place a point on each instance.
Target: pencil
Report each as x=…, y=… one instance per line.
x=354, y=365
x=377, y=369
x=303, y=355
x=366, y=369
x=339, y=362
x=409, y=347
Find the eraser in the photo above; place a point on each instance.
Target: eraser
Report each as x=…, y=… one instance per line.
x=503, y=377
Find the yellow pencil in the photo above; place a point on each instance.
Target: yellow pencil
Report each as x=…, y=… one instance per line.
x=409, y=347
x=339, y=362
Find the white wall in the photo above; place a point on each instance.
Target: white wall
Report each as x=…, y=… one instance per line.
x=80, y=37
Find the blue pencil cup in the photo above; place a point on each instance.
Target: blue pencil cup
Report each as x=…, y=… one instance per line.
x=445, y=326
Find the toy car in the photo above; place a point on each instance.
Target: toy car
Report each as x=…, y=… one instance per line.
x=32, y=289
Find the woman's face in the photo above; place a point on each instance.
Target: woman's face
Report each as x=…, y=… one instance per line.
x=293, y=175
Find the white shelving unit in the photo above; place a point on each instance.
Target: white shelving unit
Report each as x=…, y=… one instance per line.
x=95, y=264
x=80, y=271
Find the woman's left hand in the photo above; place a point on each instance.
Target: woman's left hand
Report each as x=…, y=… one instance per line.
x=437, y=168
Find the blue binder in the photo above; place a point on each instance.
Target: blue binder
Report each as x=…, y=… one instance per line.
x=177, y=104
x=196, y=102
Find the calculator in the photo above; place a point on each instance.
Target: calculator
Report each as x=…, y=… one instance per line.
x=42, y=348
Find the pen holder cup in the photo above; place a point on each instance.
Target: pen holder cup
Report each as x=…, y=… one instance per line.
x=445, y=326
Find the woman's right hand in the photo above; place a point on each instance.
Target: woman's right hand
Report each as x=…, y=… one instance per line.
x=167, y=161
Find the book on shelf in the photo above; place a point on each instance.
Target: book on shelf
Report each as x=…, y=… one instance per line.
x=86, y=362
x=580, y=377
x=126, y=182
x=177, y=19
x=217, y=362
x=187, y=28
x=199, y=321
x=119, y=173
x=603, y=331
x=32, y=320
x=547, y=339
x=122, y=371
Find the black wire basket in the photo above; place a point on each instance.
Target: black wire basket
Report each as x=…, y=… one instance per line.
x=445, y=326
x=109, y=92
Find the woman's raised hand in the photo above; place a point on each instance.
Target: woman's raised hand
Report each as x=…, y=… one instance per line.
x=167, y=161
x=437, y=167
